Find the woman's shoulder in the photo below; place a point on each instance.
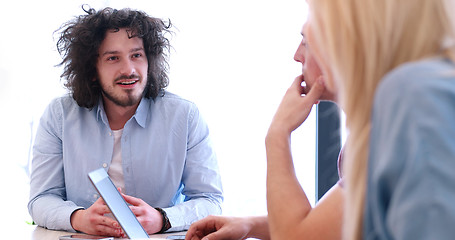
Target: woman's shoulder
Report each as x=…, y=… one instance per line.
x=414, y=77
x=414, y=81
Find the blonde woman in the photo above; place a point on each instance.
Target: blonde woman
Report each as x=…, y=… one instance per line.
x=392, y=63
x=290, y=214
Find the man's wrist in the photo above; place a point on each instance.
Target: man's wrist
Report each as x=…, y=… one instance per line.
x=166, y=222
x=74, y=219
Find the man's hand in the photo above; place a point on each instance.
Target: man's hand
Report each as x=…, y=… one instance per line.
x=150, y=219
x=92, y=221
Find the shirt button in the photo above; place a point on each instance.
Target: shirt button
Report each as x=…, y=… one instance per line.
x=95, y=196
x=104, y=165
x=110, y=134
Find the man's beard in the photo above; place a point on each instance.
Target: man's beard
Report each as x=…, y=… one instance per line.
x=130, y=100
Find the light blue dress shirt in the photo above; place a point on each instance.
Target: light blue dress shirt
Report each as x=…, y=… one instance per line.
x=167, y=159
x=411, y=176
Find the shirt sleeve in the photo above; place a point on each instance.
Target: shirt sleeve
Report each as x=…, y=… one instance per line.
x=412, y=151
x=47, y=204
x=201, y=179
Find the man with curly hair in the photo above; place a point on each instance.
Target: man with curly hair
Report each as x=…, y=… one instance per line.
x=154, y=145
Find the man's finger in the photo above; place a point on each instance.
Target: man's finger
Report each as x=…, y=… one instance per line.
x=108, y=230
x=109, y=222
x=132, y=200
x=100, y=209
x=100, y=200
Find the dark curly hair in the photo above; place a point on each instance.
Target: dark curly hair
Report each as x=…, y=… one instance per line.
x=80, y=39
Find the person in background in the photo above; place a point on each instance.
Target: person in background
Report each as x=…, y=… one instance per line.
x=118, y=116
x=290, y=214
x=393, y=66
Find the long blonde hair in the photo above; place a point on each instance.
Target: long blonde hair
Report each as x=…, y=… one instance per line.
x=359, y=41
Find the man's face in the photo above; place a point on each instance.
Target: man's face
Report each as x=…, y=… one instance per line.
x=122, y=68
x=310, y=68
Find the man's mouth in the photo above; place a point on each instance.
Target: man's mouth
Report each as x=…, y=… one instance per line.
x=128, y=82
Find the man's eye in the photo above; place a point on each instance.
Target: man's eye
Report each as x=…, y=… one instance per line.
x=137, y=55
x=112, y=58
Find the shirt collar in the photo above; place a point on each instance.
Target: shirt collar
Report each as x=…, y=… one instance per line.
x=142, y=111
x=140, y=115
x=100, y=112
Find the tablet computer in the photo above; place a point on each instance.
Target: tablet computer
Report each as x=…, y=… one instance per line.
x=83, y=237
x=117, y=204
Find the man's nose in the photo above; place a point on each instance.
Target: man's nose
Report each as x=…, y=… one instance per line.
x=128, y=68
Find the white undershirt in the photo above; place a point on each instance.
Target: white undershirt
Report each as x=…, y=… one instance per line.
x=115, y=170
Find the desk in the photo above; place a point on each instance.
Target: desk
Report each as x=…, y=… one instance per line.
x=39, y=233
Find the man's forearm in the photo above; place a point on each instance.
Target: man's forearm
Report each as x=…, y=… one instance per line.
x=53, y=212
